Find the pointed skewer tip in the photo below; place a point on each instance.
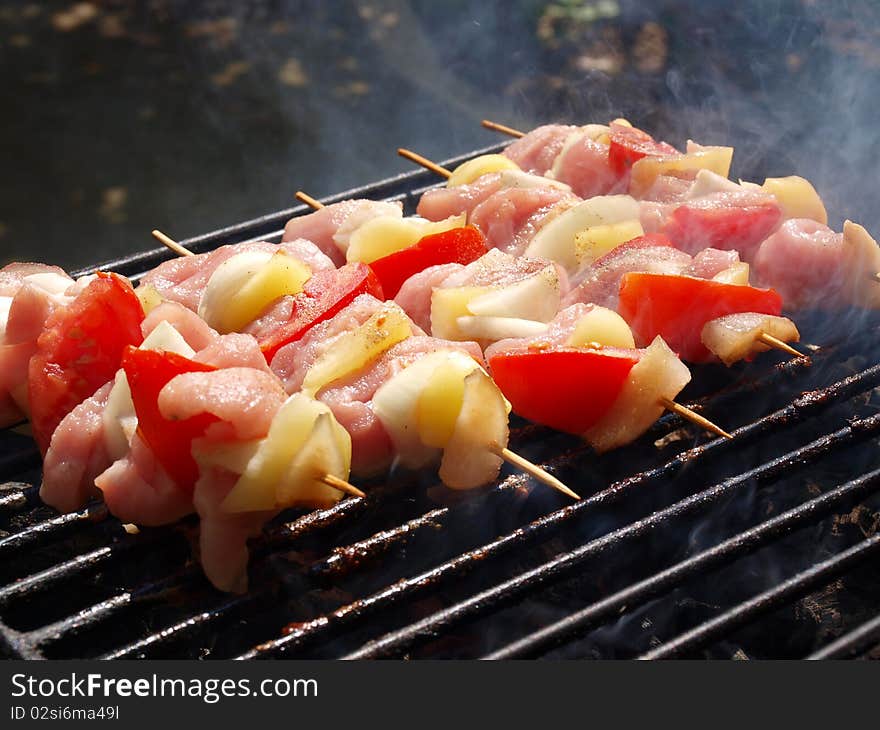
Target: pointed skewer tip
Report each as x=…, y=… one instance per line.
x=342, y=485
x=308, y=200
x=694, y=417
x=503, y=128
x=535, y=471
x=778, y=344
x=424, y=162
x=170, y=243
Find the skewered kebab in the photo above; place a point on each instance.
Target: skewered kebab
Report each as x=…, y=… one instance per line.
x=363, y=345
x=530, y=285
x=580, y=233
x=689, y=197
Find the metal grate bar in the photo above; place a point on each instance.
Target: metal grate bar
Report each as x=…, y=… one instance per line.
x=798, y=585
x=51, y=529
x=855, y=642
x=725, y=552
x=492, y=598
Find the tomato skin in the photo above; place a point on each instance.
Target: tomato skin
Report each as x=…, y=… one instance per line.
x=148, y=371
x=457, y=246
x=324, y=295
x=566, y=388
x=692, y=228
x=677, y=307
x=629, y=145
x=80, y=349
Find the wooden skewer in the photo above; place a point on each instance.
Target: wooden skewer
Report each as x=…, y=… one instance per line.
x=328, y=479
x=342, y=485
x=171, y=243
x=424, y=162
x=778, y=344
x=309, y=200
x=504, y=129
x=693, y=417
x=535, y=471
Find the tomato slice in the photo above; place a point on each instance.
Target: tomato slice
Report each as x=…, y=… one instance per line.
x=324, y=294
x=148, y=371
x=629, y=145
x=677, y=307
x=742, y=228
x=80, y=349
x=456, y=246
x=566, y=388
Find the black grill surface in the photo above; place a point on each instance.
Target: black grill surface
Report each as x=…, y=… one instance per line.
x=766, y=545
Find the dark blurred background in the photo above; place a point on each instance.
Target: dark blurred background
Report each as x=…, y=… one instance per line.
x=118, y=117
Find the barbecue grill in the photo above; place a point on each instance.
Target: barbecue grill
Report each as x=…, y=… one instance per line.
x=765, y=545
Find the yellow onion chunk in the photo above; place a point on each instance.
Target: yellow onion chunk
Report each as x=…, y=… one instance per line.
x=470, y=457
x=356, y=348
x=658, y=374
x=489, y=313
x=470, y=171
x=735, y=337
x=446, y=401
x=305, y=443
x=602, y=326
x=385, y=235
x=557, y=240
x=646, y=170
x=243, y=286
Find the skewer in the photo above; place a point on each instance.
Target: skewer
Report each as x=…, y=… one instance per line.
x=512, y=457
x=535, y=471
x=693, y=417
x=778, y=344
x=328, y=479
x=424, y=162
x=509, y=456
x=342, y=485
x=504, y=129
x=308, y=200
x=169, y=242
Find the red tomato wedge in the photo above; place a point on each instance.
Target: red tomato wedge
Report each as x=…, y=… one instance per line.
x=80, y=349
x=148, y=371
x=324, y=294
x=677, y=307
x=457, y=246
x=629, y=145
x=568, y=388
x=742, y=228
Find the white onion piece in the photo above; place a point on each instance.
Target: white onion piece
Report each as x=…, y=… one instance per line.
x=708, y=182
x=304, y=444
x=493, y=329
x=226, y=281
x=736, y=336
x=658, y=374
x=469, y=458
x=364, y=211
x=556, y=240
x=536, y=297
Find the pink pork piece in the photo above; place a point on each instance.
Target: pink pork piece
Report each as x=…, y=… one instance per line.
x=184, y=279
x=536, y=151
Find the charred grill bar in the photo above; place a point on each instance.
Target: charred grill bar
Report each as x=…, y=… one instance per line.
x=765, y=545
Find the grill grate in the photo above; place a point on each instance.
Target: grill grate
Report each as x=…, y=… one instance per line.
x=765, y=545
